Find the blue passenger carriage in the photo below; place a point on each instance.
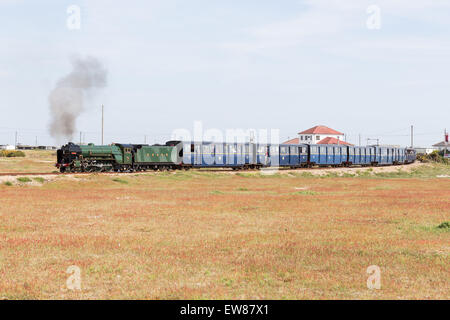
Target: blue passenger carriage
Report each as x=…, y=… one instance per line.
x=284, y=153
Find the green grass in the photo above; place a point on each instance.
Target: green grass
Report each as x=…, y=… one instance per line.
x=24, y=179
x=424, y=172
x=12, y=153
x=444, y=226
x=120, y=180
x=307, y=193
x=39, y=179
x=216, y=192
x=8, y=183
x=242, y=189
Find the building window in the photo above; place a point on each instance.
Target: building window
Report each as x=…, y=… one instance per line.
x=301, y=138
x=317, y=137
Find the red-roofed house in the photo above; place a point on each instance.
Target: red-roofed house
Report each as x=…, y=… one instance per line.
x=292, y=141
x=318, y=135
x=330, y=140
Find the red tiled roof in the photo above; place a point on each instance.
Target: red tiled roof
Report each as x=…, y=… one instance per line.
x=330, y=140
x=292, y=141
x=320, y=130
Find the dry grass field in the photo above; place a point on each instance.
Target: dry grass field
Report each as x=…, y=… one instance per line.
x=200, y=235
x=35, y=161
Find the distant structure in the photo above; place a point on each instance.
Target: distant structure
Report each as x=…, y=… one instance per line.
x=420, y=150
x=441, y=146
x=24, y=147
x=28, y=147
x=7, y=147
x=319, y=135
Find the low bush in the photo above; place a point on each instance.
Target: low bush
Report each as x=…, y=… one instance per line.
x=435, y=156
x=444, y=225
x=39, y=179
x=120, y=181
x=11, y=153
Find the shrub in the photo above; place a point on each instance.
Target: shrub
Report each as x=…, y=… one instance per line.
x=306, y=192
x=120, y=181
x=435, y=156
x=24, y=179
x=11, y=153
x=8, y=183
x=444, y=225
x=39, y=179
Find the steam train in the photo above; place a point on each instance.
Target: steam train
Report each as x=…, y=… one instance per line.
x=175, y=155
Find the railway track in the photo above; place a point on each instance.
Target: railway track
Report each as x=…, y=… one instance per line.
x=195, y=169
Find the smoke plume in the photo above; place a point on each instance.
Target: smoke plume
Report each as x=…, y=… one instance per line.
x=69, y=97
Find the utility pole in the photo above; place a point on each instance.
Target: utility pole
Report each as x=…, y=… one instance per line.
x=412, y=136
x=36, y=141
x=446, y=143
x=102, y=124
x=15, y=141
x=145, y=139
x=359, y=136
x=80, y=137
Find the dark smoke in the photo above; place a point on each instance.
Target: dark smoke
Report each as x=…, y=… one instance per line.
x=68, y=99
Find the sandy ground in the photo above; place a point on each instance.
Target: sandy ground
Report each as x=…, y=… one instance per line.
x=268, y=171
x=353, y=170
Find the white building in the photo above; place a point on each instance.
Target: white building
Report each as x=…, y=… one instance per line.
x=315, y=134
x=318, y=135
x=424, y=150
x=442, y=145
x=7, y=147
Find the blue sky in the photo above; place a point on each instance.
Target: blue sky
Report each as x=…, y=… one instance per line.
x=232, y=64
